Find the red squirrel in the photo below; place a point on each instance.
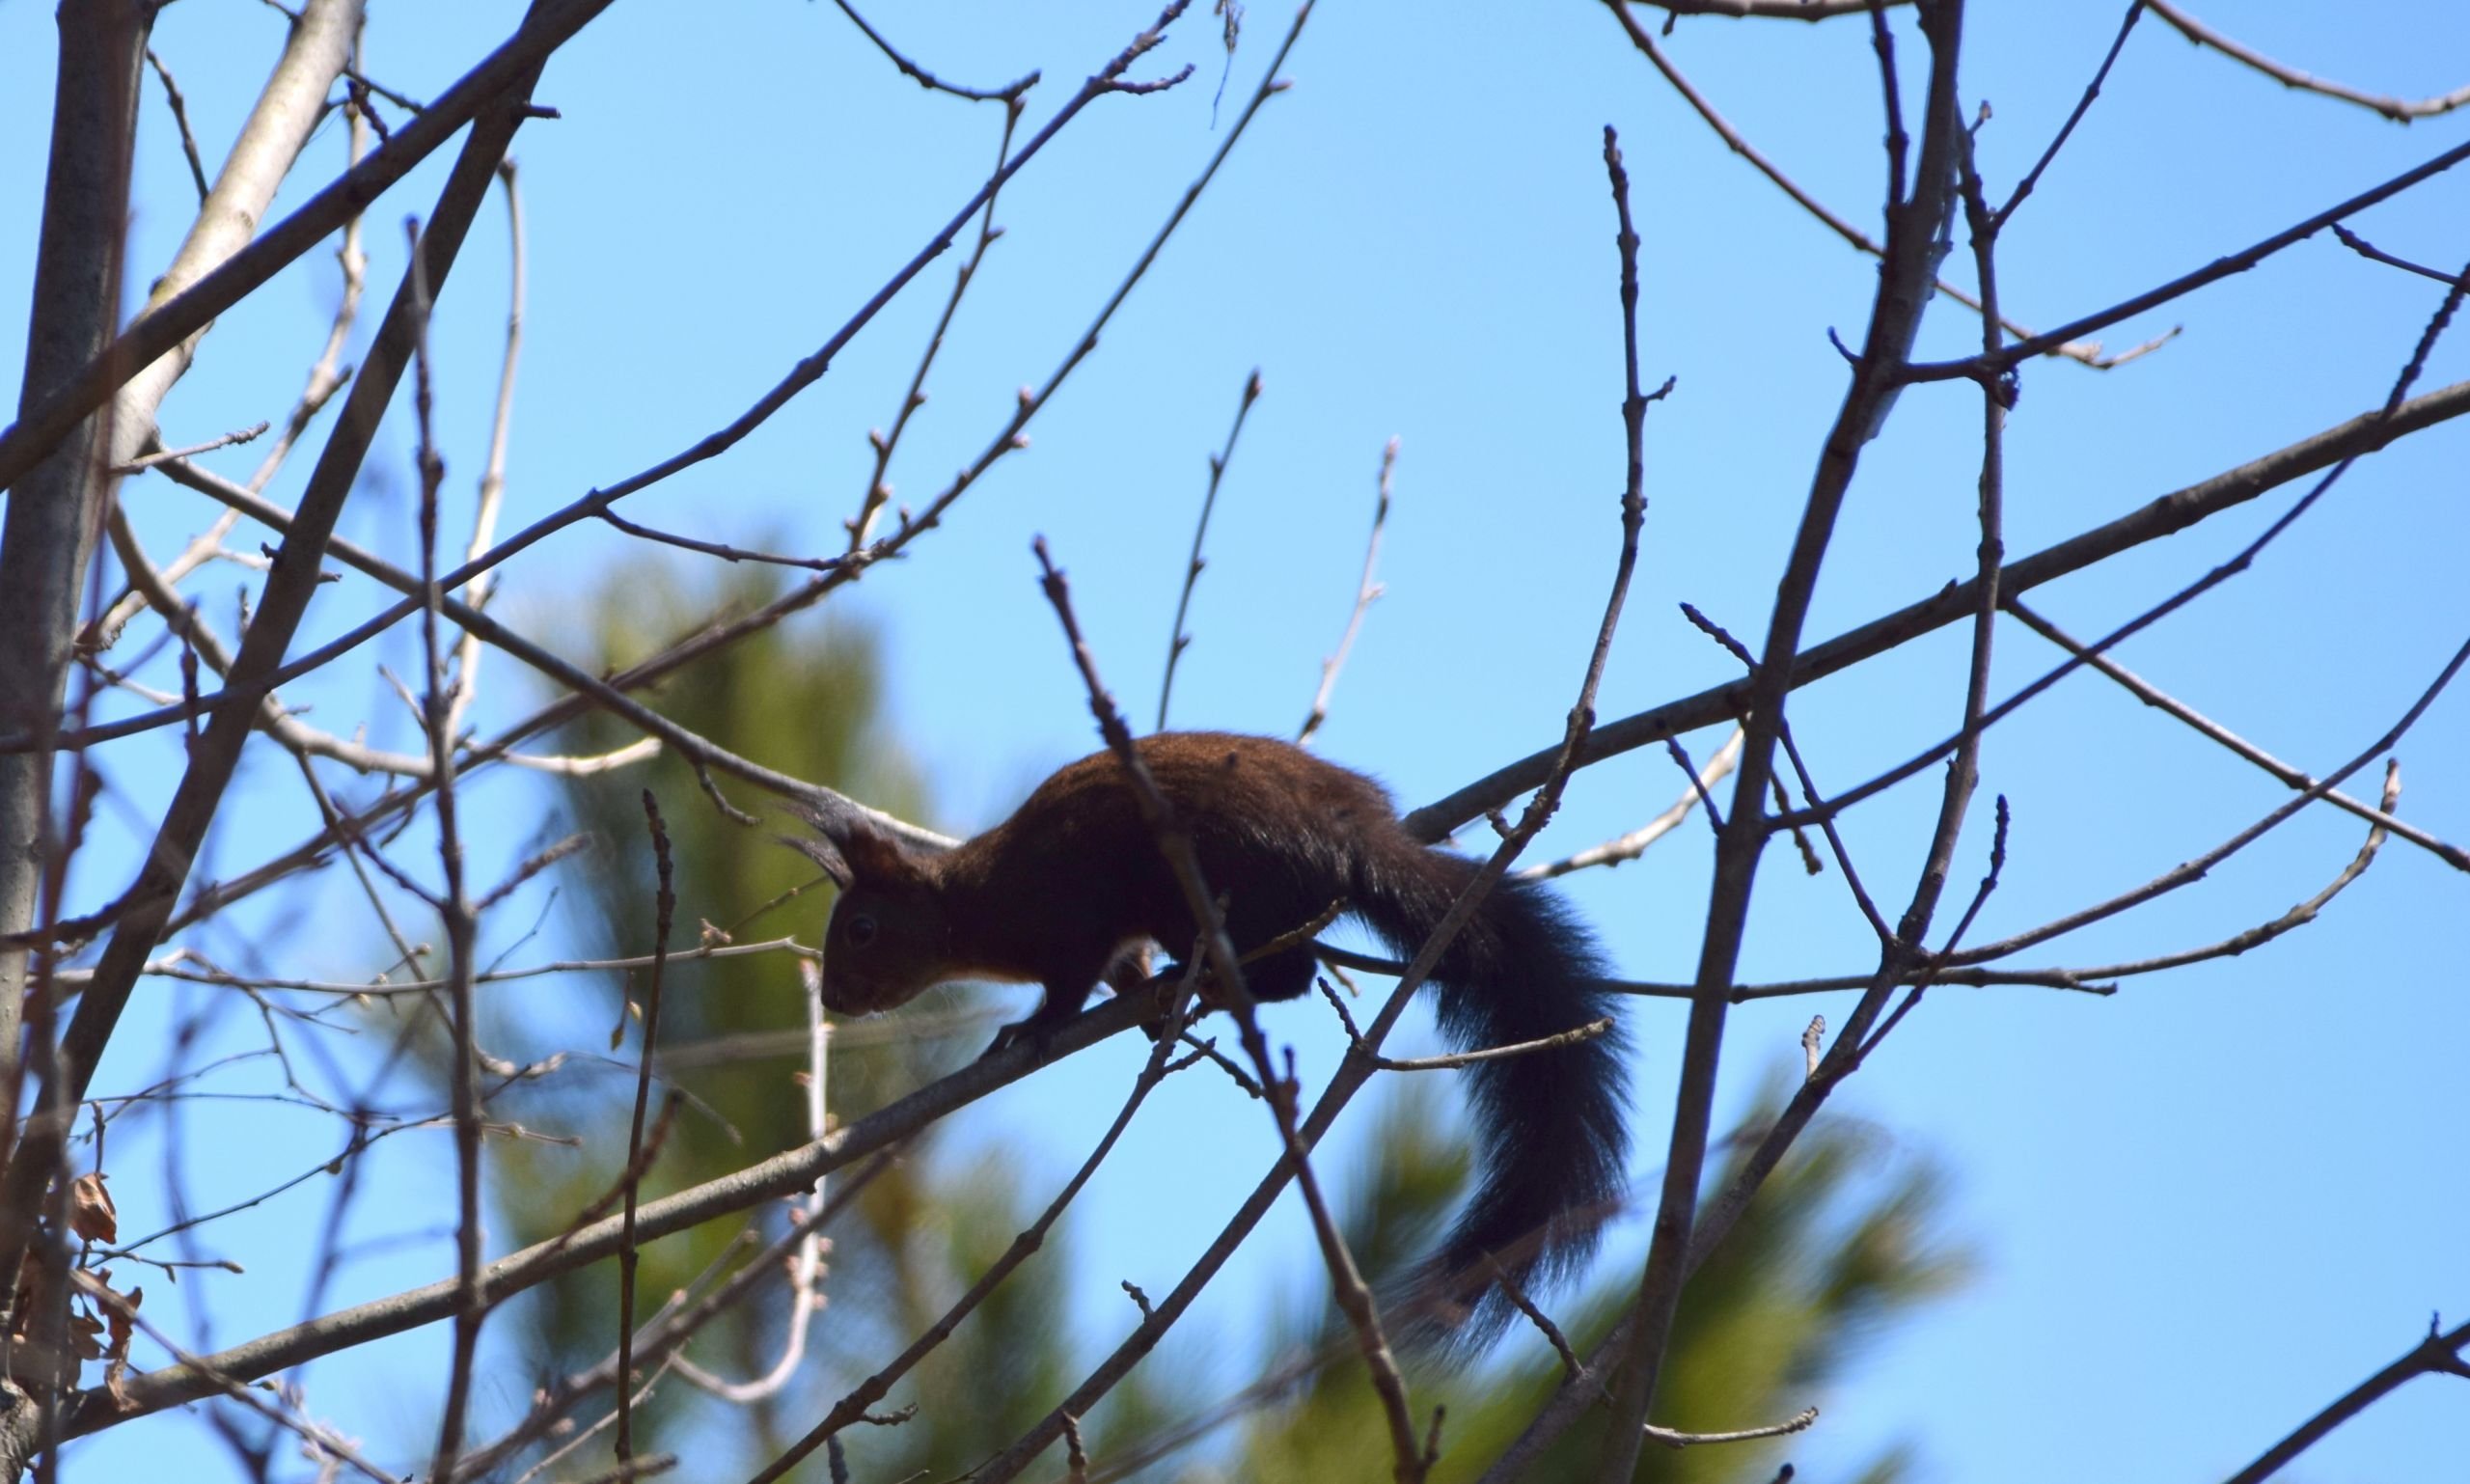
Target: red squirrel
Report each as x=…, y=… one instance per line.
x=1072, y=888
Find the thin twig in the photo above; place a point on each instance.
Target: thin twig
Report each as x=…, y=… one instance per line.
x=928, y=80
x=1768, y=10
x=2194, y=870
x=528, y=867
x=640, y=1158
x=806, y=1269
x=1993, y=364
x=461, y=925
x=1298, y=936
x=2265, y=932
x=1367, y=590
x=492, y=489
x=1176, y=638
x=1569, y=1037
x=328, y=373
x=1076, y=1461
x=2439, y=1353
x=180, y=106
x=1963, y=772
x=641, y=750
x=861, y=528
x=1690, y=774
x=2398, y=110
x=1526, y=1305
x=2296, y=778
x=2374, y=254
x=173, y=968
x=2092, y=90
x=1630, y=846
x=724, y=551
x=633, y=1469
x=1742, y=994
x=664, y=909
x=406, y=954
x=148, y=460
x=203, y=547
x=1835, y=845
x=1800, y=1422
x=2090, y=354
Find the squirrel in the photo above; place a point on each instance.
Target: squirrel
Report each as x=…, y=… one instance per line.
x=1072, y=888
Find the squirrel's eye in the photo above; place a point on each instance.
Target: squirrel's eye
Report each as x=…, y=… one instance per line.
x=860, y=932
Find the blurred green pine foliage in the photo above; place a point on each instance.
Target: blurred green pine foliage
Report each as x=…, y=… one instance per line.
x=1843, y=1239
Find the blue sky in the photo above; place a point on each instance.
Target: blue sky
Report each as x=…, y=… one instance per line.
x=2205, y=1206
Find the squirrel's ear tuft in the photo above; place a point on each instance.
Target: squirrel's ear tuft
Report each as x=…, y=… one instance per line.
x=851, y=848
x=824, y=854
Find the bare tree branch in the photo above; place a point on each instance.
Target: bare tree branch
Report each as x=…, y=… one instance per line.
x=54, y=506
x=1914, y=231
x=1176, y=638
x=1367, y=591
x=2439, y=1353
x=2167, y=516
x=547, y=26
x=216, y=754
x=2398, y=110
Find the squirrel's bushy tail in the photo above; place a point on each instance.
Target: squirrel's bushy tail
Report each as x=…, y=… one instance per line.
x=1551, y=1126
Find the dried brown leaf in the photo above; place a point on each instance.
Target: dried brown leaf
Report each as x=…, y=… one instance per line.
x=90, y=1212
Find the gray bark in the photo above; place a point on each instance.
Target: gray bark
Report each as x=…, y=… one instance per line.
x=54, y=512
x=293, y=100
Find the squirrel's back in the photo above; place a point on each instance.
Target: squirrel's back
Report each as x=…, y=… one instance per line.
x=1059, y=895
x=1282, y=834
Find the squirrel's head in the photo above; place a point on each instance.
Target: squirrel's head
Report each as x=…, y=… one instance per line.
x=884, y=944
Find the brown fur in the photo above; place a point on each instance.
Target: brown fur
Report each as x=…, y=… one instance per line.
x=1071, y=889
